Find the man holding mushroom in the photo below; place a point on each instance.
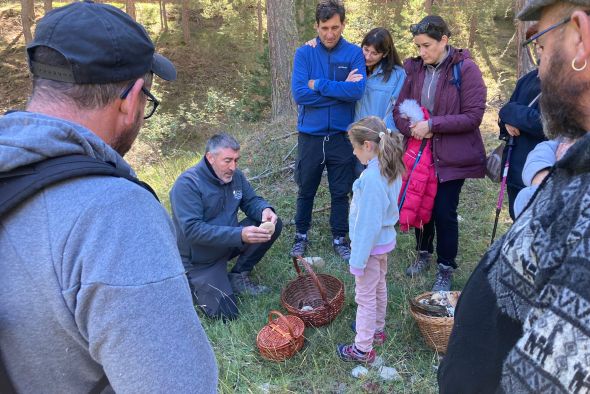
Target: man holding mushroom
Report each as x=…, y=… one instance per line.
x=205, y=200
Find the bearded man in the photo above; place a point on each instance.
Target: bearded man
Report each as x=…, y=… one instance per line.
x=522, y=322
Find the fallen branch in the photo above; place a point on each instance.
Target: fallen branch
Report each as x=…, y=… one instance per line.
x=266, y=173
x=284, y=136
x=291, y=151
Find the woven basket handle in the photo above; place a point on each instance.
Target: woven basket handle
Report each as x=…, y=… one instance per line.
x=300, y=260
x=282, y=318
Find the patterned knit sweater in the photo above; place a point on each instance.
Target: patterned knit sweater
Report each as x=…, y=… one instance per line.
x=540, y=274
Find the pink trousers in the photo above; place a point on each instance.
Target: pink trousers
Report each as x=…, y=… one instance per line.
x=371, y=298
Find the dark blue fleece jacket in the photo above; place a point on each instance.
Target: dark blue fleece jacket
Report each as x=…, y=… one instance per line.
x=329, y=107
x=525, y=118
x=205, y=213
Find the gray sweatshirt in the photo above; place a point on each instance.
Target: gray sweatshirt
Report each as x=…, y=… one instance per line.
x=540, y=158
x=92, y=281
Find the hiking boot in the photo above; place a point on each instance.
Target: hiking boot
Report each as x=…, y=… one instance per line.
x=341, y=247
x=351, y=353
x=444, y=278
x=299, y=245
x=242, y=284
x=420, y=265
x=378, y=339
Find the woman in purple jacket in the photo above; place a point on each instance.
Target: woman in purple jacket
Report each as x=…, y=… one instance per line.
x=447, y=82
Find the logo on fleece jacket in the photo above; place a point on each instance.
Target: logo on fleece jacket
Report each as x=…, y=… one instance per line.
x=237, y=194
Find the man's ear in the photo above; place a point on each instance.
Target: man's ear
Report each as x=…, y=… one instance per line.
x=209, y=157
x=582, y=23
x=131, y=104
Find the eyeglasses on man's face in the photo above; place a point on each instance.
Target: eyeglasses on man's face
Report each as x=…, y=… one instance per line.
x=151, y=102
x=534, y=38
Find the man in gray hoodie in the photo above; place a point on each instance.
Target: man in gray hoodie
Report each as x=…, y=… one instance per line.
x=93, y=295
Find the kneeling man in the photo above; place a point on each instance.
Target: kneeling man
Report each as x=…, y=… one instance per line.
x=205, y=201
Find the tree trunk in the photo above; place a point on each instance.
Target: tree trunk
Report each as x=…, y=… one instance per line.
x=47, y=5
x=259, y=15
x=428, y=6
x=282, y=41
x=186, y=33
x=525, y=63
x=472, y=30
x=130, y=8
x=163, y=15
x=27, y=18
x=397, y=11
x=301, y=13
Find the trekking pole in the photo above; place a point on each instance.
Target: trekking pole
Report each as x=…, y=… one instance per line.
x=502, y=187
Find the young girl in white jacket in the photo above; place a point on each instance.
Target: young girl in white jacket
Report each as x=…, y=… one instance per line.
x=373, y=215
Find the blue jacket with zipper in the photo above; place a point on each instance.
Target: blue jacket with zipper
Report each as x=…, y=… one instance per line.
x=329, y=107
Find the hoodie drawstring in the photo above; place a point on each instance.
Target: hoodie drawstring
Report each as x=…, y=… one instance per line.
x=326, y=139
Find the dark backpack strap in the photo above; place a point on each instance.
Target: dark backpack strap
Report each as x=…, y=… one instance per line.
x=457, y=75
x=18, y=185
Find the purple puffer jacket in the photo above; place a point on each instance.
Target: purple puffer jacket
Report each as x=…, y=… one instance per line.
x=458, y=149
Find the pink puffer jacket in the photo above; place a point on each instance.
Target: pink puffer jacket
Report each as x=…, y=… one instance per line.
x=418, y=202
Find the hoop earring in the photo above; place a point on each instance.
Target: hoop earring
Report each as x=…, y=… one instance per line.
x=581, y=68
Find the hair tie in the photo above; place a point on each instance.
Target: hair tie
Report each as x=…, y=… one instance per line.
x=389, y=131
x=381, y=134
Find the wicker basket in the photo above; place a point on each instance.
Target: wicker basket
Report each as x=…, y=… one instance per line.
x=281, y=338
x=323, y=293
x=435, y=330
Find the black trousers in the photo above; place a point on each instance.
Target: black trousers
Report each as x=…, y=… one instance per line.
x=443, y=224
x=211, y=287
x=313, y=154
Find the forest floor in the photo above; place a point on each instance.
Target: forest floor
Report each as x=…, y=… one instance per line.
x=206, y=99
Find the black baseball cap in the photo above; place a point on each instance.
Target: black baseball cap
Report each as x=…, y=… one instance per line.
x=101, y=44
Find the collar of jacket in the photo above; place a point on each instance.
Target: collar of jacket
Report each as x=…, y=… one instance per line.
x=455, y=55
x=340, y=42
x=577, y=159
x=378, y=70
x=205, y=169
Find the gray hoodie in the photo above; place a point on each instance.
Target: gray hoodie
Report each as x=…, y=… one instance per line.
x=92, y=281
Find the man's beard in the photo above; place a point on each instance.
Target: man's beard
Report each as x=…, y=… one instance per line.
x=123, y=142
x=561, y=110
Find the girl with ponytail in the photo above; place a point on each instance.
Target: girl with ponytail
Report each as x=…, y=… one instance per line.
x=373, y=215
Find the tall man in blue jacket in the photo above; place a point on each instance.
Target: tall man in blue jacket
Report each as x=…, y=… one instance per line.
x=327, y=81
x=205, y=200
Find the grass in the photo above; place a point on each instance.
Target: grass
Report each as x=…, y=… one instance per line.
x=316, y=368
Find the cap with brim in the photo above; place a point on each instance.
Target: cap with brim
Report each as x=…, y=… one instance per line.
x=532, y=9
x=163, y=67
x=100, y=43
